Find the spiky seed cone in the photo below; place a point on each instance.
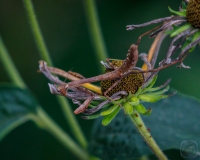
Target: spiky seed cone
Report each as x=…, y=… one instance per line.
x=193, y=13
x=129, y=83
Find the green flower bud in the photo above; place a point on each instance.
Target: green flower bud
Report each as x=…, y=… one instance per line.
x=128, y=108
x=134, y=101
x=142, y=110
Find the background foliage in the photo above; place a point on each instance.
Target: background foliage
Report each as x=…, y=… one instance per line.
x=63, y=24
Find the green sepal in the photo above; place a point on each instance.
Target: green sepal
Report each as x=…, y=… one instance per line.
x=128, y=108
x=91, y=117
x=161, y=91
x=151, y=97
x=142, y=110
x=186, y=43
x=91, y=105
x=95, y=103
x=148, y=112
x=107, y=119
x=181, y=29
x=139, y=91
x=190, y=40
x=150, y=84
x=196, y=35
x=184, y=6
x=134, y=101
x=171, y=30
x=160, y=87
x=109, y=110
x=182, y=13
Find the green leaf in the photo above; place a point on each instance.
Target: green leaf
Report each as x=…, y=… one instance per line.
x=173, y=121
x=182, y=13
x=128, y=108
x=107, y=119
x=109, y=110
x=16, y=107
x=181, y=29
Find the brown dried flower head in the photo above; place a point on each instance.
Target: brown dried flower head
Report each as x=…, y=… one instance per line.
x=193, y=13
x=129, y=83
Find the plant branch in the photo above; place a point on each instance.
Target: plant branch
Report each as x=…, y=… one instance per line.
x=138, y=122
x=95, y=30
x=69, y=115
x=55, y=130
x=9, y=66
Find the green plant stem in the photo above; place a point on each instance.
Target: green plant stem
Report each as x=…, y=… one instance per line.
x=37, y=32
x=9, y=66
x=95, y=31
x=138, y=122
x=52, y=127
x=42, y=119
x=72, y=121
x=69, y=115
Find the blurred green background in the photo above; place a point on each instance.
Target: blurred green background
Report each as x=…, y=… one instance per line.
x=65, y=30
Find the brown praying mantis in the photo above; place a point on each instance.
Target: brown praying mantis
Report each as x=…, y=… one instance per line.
x=80, y=93
x=127, y=66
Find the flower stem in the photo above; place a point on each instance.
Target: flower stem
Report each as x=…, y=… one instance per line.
x=95, y=30
x=72, y=121
x=69, y=115
x=52, y=127
x=9, y=66
x=36, y=31
x=138, y=122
